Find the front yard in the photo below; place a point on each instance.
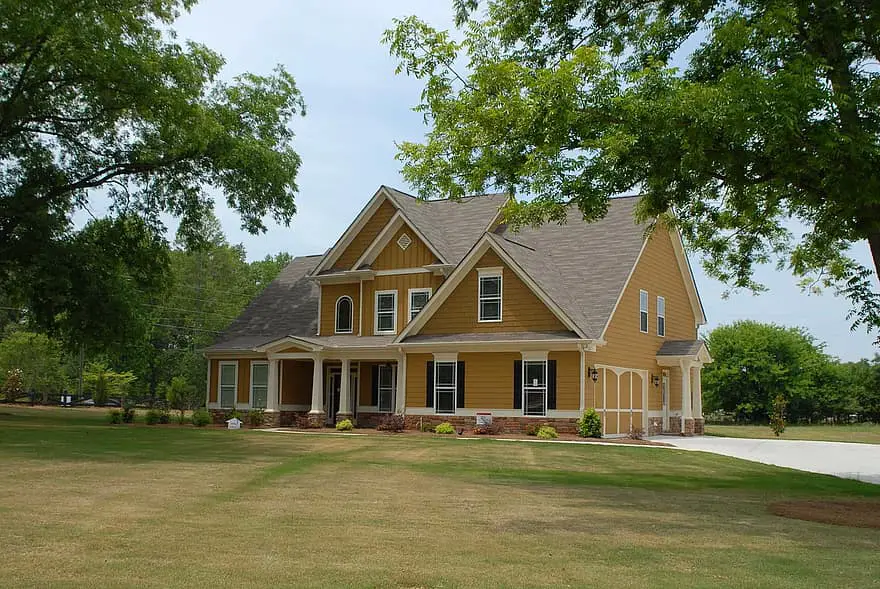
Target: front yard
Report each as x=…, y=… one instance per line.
x=866, y=433
x=86, y=504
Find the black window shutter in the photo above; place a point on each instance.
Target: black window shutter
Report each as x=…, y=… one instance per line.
x=459, y=386
x=429, y=385
x=551, y=384
x=517, y=384
x=374, y=391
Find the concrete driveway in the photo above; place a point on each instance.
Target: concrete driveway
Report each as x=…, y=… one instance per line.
x=841, y=459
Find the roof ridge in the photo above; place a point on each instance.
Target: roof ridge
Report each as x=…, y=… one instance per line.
x=402, y=193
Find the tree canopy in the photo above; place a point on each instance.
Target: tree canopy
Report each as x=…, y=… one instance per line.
x=773, y=115
x=98, y=97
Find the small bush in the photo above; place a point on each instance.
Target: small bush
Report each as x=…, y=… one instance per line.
x=152, y=417
x=444, y=428
x=128, y=415
x=426, y=426
x=531, y=430
x=114, y=416
x=547, y=432
x=181, y=418
x=636, y=433
x=487, y=430
x=200, y=418
x=255, y=417
x=164, y=416
x=391, y=423
x=589, y=425
x=344, y=426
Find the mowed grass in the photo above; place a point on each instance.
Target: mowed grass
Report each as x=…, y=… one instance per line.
x=85, y=504
x=865, y=433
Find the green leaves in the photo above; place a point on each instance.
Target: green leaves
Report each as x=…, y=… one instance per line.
x=772, y=119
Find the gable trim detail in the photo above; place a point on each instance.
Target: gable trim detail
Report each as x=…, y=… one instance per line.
x=384, y=238
x=484, y=244
x=356, y=226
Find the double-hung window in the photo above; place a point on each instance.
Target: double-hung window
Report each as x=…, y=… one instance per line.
x=259, y=384
x=445, y=378
x=534, y=387
x=643, y=311
x=344, y=314
x=489, y=302
x=386, y=311
x=228, y=384
x=386, y=388
x=661, y=316
x=418, y=298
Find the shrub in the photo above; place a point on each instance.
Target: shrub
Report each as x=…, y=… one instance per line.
x=181, y=418
x=487, y=430
x=114, y=416
x=255, y=417
x=589, y=425
x=12, y=387
x=152, y=417
x=531, y=430
x=344, y=426
x=547, y=432
x=636, y=433
x=391, y=422
x=128, y=415
x=200, y=418
x=444, y=428
x=777, y=415
x=164, y=416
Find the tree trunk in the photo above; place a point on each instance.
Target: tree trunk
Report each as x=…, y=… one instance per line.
x=874, y=243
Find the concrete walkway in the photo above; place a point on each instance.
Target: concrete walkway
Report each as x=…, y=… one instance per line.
x=841, y=459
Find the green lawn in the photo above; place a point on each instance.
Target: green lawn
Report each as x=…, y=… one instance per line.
x=866, y=433
x=90, y=505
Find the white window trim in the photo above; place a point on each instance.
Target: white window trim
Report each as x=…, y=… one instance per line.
x=661, y=315
x=376, y=312
x=535, y=359
x=409, y=295
x=350, y=315
x=255, y=363
x=446, y=360
x=496, y=272
x=220, y=365
x=647, y=323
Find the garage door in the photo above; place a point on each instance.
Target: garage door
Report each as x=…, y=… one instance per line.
x=620, y=399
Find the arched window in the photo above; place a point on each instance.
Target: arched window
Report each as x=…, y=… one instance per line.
x=344, y=314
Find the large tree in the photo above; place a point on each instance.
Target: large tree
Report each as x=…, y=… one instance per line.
x=99, y=98
x=773, y=115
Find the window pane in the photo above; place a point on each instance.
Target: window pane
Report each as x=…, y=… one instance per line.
x=661, y=306
x=661, y=326
x=386, y=302
x=490, y=286
x=445, y=400
x=490, y=310
x=643, y=321
x=417, y=301
x=260, y=394
x=643, y=301
x=535, y=403
x=227, y=374
x=343, y=315
x=261, y=374
x=386, y=322
x=445, y=373
x=535, y=374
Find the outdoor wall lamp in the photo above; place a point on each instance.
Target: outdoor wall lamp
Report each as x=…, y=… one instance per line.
x=594, y=374
x=656, y=380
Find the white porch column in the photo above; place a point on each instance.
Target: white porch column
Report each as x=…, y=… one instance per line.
x=400, y=394
x=274, y=393
x=345, y=388
x=685, y=392
x=317, y=386
x=698, y=390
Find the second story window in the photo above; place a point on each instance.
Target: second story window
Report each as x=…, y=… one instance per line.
x=489, y=303
x=643, y=311
x=418, y=298
x=344, y=314
x=661, y=316
x=386, y=311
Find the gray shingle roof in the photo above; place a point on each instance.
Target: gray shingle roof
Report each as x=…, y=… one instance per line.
x=492, y=337
x=288, y=306
x=681, y=348
x=582, y=267
x=452, y=227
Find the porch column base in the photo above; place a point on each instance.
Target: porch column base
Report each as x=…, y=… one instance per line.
x=341, y=415
x=316, y=419
x=699, y=426
x=271, y=418
x=688, y=429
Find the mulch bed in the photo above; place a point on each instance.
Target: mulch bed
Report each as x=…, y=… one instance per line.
x=855, y=514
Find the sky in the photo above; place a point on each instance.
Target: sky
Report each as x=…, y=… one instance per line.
x=357, y=108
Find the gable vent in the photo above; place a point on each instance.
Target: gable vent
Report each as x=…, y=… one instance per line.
x=404, y=241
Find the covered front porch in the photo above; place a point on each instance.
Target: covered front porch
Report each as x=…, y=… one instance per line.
x=684, y=360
